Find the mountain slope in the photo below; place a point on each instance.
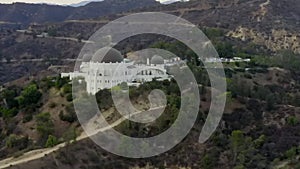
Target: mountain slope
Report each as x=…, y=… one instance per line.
x=271, y=23
x=40, y=13
x=27, y=13
x=82, y=3
x=97, y=9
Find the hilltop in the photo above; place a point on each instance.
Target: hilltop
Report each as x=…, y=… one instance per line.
x=25, y=14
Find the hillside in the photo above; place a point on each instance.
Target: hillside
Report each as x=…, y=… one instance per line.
x=41, y=13
x=261, y=122
x=259, y=128
x=269, y=25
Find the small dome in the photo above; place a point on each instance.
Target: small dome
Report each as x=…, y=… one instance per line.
x=86, y=58
x=157, y=60
x=112, y=55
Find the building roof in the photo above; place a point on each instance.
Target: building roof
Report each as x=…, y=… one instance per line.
x=157, y=60
x=107, y=55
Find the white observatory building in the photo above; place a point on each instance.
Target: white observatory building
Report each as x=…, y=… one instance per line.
x=104, y=72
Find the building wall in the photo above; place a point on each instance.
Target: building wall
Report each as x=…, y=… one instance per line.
x=107, y=75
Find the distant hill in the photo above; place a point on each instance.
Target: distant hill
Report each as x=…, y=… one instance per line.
x=82, y=3
x=172, y=1
x=40, y=13
x=97, y=9
x=27, y=13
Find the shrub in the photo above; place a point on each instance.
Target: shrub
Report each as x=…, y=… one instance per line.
x=248, y=76
x=27, y=118
x=291, y=153
x=292, y=121
x=270, y=99
x=69, y=97
x=260, y=141
x=69, y=117
x=208, y=162
x=61, y=82
x=14, y=141
x=67, y=89
x=239, y=167
x=11, y=141
x=70, y=135
x=45, y=125
x=52, y=105
x=51, y=142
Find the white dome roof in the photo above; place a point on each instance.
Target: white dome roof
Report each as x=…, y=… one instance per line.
x=112, y=55
x=157, y=60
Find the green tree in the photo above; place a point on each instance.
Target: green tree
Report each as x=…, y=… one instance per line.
x=224, y=49
x=207, y=162
x=11, y=141
x=67, y=88
x=45, y=125
x=291, y=153
x=292, y=120
x=18, y=142
x=212, y=33
x=30, y=95
x=8, y=113
x=260, y=141
x=69, y=97
x=60, y=82
x=70, y=135
x=51, y=142
x=9, y=97
x=270, y=99
x=239, y=167
x=237, y=139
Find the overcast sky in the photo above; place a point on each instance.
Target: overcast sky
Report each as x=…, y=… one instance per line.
x=61, y=2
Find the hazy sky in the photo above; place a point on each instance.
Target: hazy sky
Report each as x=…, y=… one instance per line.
x=61, y=2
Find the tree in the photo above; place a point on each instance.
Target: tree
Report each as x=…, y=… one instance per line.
x=67, y=88
x=225, y=50
x=212, y=33
x=30, y=95
x=52, y=32
x=70, y=135
x=260, y=141
x=270, y=99
x=9, y=97
x=239, y=167
x=69, y=116
x=11, y=140
x=18, y=142
x=51, y=142
x=292, y=120
x=8, y=113
x=237, y=139
x=296, y=100
x=45, y=125
x=69, y=97
x=60, y=82
x=291, y=153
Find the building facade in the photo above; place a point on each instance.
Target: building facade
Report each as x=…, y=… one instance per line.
x=112, y=70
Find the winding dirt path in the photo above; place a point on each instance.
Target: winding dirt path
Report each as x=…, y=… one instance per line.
x=40, y=153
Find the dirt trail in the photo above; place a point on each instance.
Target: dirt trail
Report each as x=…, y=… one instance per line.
x=263, y=10
x=36, y=154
